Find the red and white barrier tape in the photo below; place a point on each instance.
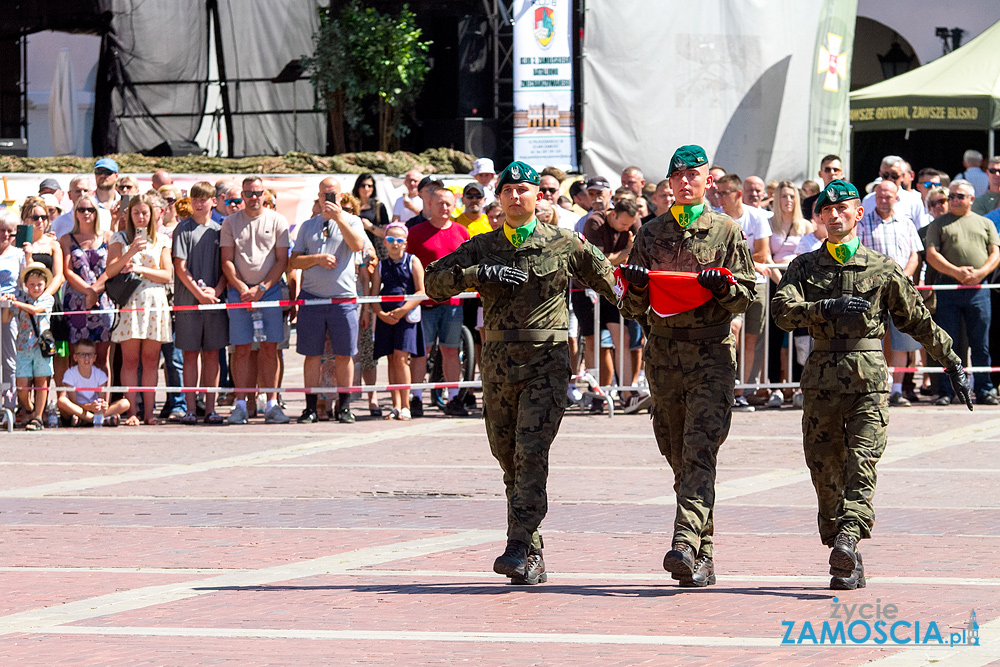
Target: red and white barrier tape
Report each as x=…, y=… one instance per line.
x=471, y=384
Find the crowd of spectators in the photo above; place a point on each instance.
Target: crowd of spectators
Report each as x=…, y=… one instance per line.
x=101, y=244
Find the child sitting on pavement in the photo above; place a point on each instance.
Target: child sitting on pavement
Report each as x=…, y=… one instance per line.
x=34, y=369
x=81, y=406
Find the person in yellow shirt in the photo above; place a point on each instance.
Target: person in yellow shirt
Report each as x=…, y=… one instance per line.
x=472, y=216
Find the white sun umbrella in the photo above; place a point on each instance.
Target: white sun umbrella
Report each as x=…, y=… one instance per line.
x=62, y=107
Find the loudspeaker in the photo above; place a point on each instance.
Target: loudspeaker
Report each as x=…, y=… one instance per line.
x=175, y=148
x=15, y=147
x=480, y=136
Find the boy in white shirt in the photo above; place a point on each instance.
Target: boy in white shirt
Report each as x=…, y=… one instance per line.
x=78, y=407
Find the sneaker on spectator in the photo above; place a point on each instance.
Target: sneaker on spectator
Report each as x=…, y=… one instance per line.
x=454, y=408
x=943, y=400
x=276, y=416
x=756, y=399
x=897, y=400
x=177, y=414
x=742, y=405
x=345, y=416
x=775, y=399
x=987, y=399
x=596, y=405
x=637, y=403
x=911, y=396
x=416, y=407
x=308, y=417
x=797, y=399
x=238, y=415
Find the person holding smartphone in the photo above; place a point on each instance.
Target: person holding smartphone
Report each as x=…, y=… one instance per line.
x=139, y=249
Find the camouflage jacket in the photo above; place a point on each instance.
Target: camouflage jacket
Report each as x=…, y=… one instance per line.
x=714, y=240
x=549, y=256
x=814, y=276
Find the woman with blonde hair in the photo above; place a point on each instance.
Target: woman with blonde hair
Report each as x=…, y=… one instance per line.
x=43, y=248
x=85, y=257
x=788, y=226
x=141, y=249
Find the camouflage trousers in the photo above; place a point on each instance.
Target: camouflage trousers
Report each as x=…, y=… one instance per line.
x=692, y=412
x=522, y=419
x=843, y=435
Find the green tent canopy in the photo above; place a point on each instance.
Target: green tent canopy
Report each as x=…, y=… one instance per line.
x=958, y=91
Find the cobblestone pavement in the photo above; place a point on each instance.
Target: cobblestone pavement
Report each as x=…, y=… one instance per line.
x=373, y=543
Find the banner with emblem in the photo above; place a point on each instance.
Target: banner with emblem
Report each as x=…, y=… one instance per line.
x=544, y=127
x=829, y=128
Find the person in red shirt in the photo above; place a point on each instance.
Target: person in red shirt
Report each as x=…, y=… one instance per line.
x=430, y=240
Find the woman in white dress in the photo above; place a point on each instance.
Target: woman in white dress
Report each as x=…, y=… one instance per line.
x=139, y=249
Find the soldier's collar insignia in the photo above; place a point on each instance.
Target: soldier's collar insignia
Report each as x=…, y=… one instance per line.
x=843, y=251
x=685, y=214
x=517, y=236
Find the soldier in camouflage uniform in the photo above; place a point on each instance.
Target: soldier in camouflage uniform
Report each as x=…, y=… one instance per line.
x=845, y=293
x=522, y=272
x=690, y=357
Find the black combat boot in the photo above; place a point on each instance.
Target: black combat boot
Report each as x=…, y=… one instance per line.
x=704, y=574
x=534, y=570
x=679, y=560
x=855, y=580
x=843, y=559
x=513, y=562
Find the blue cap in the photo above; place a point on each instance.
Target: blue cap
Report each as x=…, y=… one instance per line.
x=106, y=163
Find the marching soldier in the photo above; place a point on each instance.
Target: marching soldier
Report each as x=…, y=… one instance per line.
x=522, y=272
x=845, y=294
x=690, y=356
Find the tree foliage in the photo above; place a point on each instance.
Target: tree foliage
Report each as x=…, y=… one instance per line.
x=364, y=59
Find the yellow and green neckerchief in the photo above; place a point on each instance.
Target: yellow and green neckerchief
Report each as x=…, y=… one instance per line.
x=518, y=235
x=843, y=251
x=685, y=215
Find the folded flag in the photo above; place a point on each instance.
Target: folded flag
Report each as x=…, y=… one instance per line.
x=672, y=292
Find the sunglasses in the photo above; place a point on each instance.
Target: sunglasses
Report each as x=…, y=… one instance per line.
x=548, y=191
x=85, y=355
x=253, y=193
x=103, y=172
x=994, y=170
x=234, y=202
x=169, y=200
x=38, y=218
x=473, y=195
x=87, y=210
x=931, y=203
x=931, y=184
x=888, y=176
x=394, y=239
x=959, y=197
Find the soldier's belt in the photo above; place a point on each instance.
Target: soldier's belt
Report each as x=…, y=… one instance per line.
x=526, y=336
x=693, y=333
x=848, y=345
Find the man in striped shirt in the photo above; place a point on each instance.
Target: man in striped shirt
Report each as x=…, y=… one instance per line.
x=884, y=229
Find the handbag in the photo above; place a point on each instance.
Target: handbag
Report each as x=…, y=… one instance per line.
x=59, y=325
x=120, y=288
x=46, y=341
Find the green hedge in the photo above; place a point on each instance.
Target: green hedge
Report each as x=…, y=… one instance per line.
x=431, y=161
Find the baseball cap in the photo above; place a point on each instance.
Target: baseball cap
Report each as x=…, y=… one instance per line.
x=106, y=163
x=835, y=192
x=483, y=165
x=473, y=187
x=49, y=184
x=687, y=157
x=428, y=180
x=598, y=183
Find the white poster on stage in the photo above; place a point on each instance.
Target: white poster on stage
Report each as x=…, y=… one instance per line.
x=544, y=127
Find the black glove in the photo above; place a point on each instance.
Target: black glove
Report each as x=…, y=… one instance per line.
x=497, y=273
x=635, y=275
x=960, y=383
x=845, y=305
x=714, y=280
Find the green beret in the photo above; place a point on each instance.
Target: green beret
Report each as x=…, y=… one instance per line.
x=687, y=157
x=836, y=191
x=517, y=172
